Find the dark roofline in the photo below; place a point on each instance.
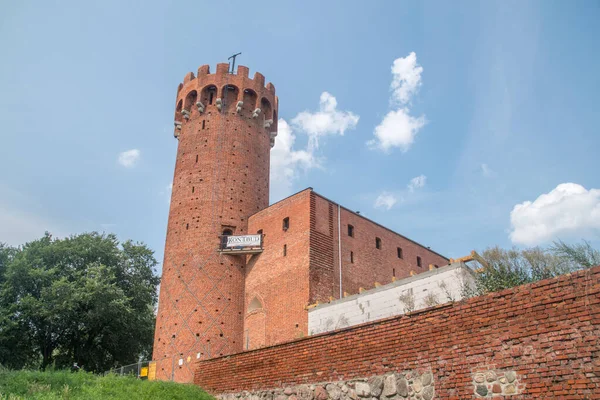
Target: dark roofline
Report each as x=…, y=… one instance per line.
x=356, y=214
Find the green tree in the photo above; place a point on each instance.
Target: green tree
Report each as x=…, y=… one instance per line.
x=582, y=254
x=85, y=299
x=6, y=255
x=509, y=268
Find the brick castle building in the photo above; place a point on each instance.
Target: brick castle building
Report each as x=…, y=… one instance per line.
x=239, y=274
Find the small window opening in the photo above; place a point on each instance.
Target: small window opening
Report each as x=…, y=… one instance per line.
x=187, y=226
x=210, y=97
x=418, y=261
x=400, y=252
x=394, y=272
x=351, y=257
x=286, y=223
x=227, y=232
x=204, y=122
x=285, y=250
x=350, y=230
x=378, y=243
x=193, y=189
x=196, y=157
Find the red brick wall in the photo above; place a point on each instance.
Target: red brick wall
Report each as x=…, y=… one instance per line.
x=370, y=264
x=310, y=270
x=281, y=282
x=221, y=178
x=323, y=245
x=548, y=332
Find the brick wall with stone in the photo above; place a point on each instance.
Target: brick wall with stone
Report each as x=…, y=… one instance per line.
x=412, y=385
x=541, y=338
x=221, y=178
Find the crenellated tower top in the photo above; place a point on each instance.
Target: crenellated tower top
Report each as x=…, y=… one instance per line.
x=226, y=92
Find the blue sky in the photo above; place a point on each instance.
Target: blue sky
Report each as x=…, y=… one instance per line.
x=492, y=105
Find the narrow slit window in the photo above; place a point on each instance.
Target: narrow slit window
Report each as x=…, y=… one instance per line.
x=419, y=261
x=400, y=252
x=187, y=226
x=210, y=97
x=351, y=257
x=394, y=272
x=286, y=223
x=196, y=157
x=193, y=189
x=378, y=243
x=203, y=124
x=350, y=230
x=285, y=250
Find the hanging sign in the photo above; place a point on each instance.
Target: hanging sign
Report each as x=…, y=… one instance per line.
x=243, y=241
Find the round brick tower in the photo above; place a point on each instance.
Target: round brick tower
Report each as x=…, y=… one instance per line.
x=226, y=124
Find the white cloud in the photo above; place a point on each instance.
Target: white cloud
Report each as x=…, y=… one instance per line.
x=286, y=163
x=569, y=210
x=417, y=182
x=385, y=200
x=486, y=171
x=406, y=78
x=399, y=128
x=129, y=158
x=327, y=121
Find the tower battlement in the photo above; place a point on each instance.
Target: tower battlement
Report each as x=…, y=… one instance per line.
x=225, y=92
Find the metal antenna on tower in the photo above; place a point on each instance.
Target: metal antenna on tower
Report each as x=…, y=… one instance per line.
x=232, y=64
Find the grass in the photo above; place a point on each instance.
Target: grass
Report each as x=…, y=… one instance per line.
x=52, y=385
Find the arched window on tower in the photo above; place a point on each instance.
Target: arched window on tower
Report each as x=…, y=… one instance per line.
x=178, y=110
x=230, y=97
x=190, y=100
x=265, y=107
x=249, y=100
x=209, y=95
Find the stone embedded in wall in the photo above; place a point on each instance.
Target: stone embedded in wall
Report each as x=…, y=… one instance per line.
x=490, y=383
x=410, y=385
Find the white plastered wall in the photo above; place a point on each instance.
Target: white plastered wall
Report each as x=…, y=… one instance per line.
x=424, y=290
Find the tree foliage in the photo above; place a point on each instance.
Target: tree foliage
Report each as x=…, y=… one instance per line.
x=582, y=254
x=514, y=267
x=87, y=299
